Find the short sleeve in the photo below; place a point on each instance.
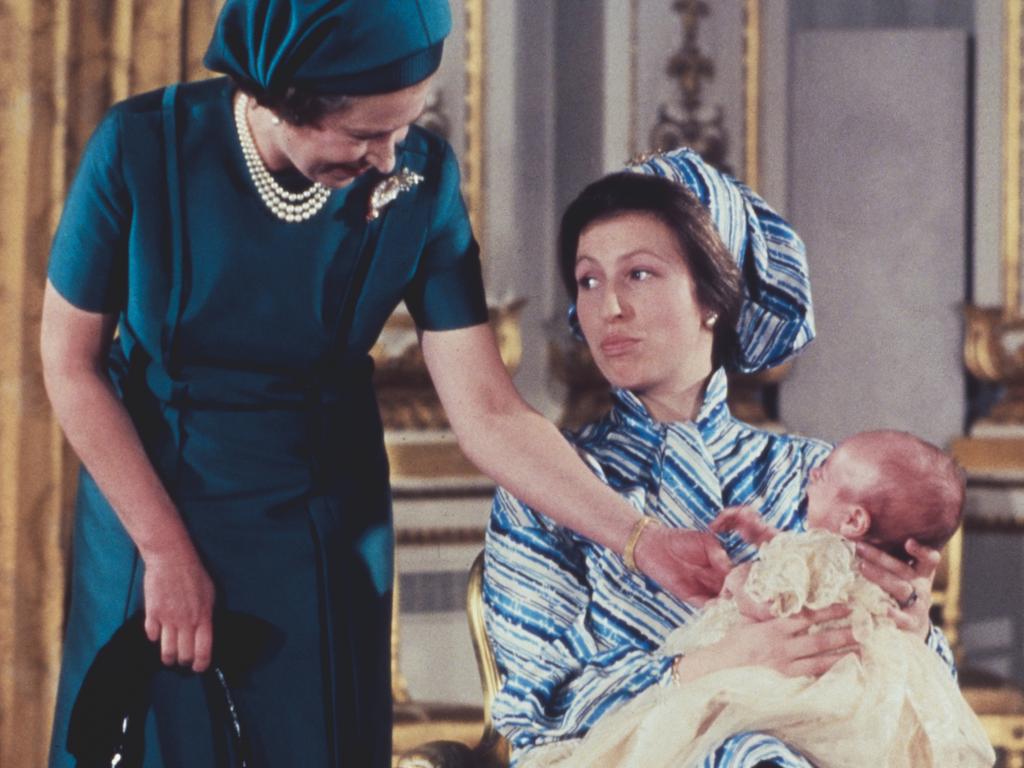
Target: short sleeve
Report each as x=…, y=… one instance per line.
x=447, y=290
x=88, y=260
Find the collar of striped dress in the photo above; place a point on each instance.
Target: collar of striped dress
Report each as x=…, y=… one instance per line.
x=628, y=410
x=680, y=465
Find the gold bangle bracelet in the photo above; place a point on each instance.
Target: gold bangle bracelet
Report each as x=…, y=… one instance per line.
x=629, y=553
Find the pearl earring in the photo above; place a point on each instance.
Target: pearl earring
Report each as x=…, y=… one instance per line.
x=710, y=319
x=275, y=120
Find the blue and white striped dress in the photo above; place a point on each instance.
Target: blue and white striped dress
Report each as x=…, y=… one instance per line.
x=575, y=632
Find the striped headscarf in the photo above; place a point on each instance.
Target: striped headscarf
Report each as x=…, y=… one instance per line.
x=775, y=320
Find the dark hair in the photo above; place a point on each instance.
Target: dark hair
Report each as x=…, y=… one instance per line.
x=296, y=106
x=712, y=266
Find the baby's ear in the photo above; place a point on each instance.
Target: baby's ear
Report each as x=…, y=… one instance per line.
x=856, y=522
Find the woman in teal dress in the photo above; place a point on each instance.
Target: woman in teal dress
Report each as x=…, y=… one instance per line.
x=231, y=444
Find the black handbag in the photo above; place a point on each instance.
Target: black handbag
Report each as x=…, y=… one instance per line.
x=107, y=723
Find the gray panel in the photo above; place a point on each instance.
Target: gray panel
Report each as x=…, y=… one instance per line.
x=878, y=191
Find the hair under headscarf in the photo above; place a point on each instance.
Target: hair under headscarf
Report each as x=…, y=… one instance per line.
x=775, y=320
x=344, y=47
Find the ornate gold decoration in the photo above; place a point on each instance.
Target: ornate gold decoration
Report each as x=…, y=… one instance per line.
x=389, y=188
x=687, y=123
x=992, y=458
x=428, y=457
x=399, y=685
x=751, y=92
x=1011, y=242
x=473, y=152
x=443, y=537
x=994, y=351
x=994, y=338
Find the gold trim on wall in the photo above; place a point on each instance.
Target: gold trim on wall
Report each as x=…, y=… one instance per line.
x=1010, y=241
x=473, y=152
x=751, y=92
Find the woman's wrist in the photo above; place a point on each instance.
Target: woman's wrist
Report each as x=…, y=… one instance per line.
x=629, y=551
x=171, y=544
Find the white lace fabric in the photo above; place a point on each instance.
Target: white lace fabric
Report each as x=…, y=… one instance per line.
x=895, y=707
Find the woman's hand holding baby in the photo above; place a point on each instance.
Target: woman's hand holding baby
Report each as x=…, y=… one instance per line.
x=783, y=644
x=909, y=585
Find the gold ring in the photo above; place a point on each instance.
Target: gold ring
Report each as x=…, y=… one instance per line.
x=904, y=604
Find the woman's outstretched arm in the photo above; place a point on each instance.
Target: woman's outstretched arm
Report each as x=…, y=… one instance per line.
x=177, y=591
x=525, y=453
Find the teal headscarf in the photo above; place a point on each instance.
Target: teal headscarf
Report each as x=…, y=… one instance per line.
x=345, y=47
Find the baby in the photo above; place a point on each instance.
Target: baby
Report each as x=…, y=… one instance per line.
x=881, y=488
x=893, y=705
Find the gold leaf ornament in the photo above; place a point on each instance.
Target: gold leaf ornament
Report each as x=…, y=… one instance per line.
x=388, y=189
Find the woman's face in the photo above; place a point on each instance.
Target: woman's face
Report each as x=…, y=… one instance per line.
x=344, y=144
x=638, y=307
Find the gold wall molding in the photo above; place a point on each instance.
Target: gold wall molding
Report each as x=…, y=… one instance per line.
x=473, y=152
x=433, y=537
x=1010, y=241
x=994, y=336
x=752, y=93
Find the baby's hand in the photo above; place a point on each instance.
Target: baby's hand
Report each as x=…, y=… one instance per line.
x=735, y=588
x=747, y=522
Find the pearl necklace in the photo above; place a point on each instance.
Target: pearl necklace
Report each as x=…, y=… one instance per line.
x=287, y=206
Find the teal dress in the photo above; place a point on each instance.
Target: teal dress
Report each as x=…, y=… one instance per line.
x=243, y=360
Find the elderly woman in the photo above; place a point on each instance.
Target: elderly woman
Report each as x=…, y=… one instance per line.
x=247, y=237
x=676, y=273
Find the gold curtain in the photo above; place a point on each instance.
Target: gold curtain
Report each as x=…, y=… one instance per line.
x=62, y=63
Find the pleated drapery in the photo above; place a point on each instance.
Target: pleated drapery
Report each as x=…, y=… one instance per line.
x=62, y=63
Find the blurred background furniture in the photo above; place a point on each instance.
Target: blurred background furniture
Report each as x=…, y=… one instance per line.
x=462, y=738
x=985, y=549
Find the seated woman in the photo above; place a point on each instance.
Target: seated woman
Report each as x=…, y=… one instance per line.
x=675, y=278
x=892, y=705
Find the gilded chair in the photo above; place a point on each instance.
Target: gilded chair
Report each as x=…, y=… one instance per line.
x=999, y=705
x=489, y=750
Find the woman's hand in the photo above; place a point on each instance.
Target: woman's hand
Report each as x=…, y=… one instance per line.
x=782, y=644
x=178, y=596
x=689, y=564
x=747, y=522
x=909, y=585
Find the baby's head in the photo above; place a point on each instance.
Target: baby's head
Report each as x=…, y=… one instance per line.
x=884, y=487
